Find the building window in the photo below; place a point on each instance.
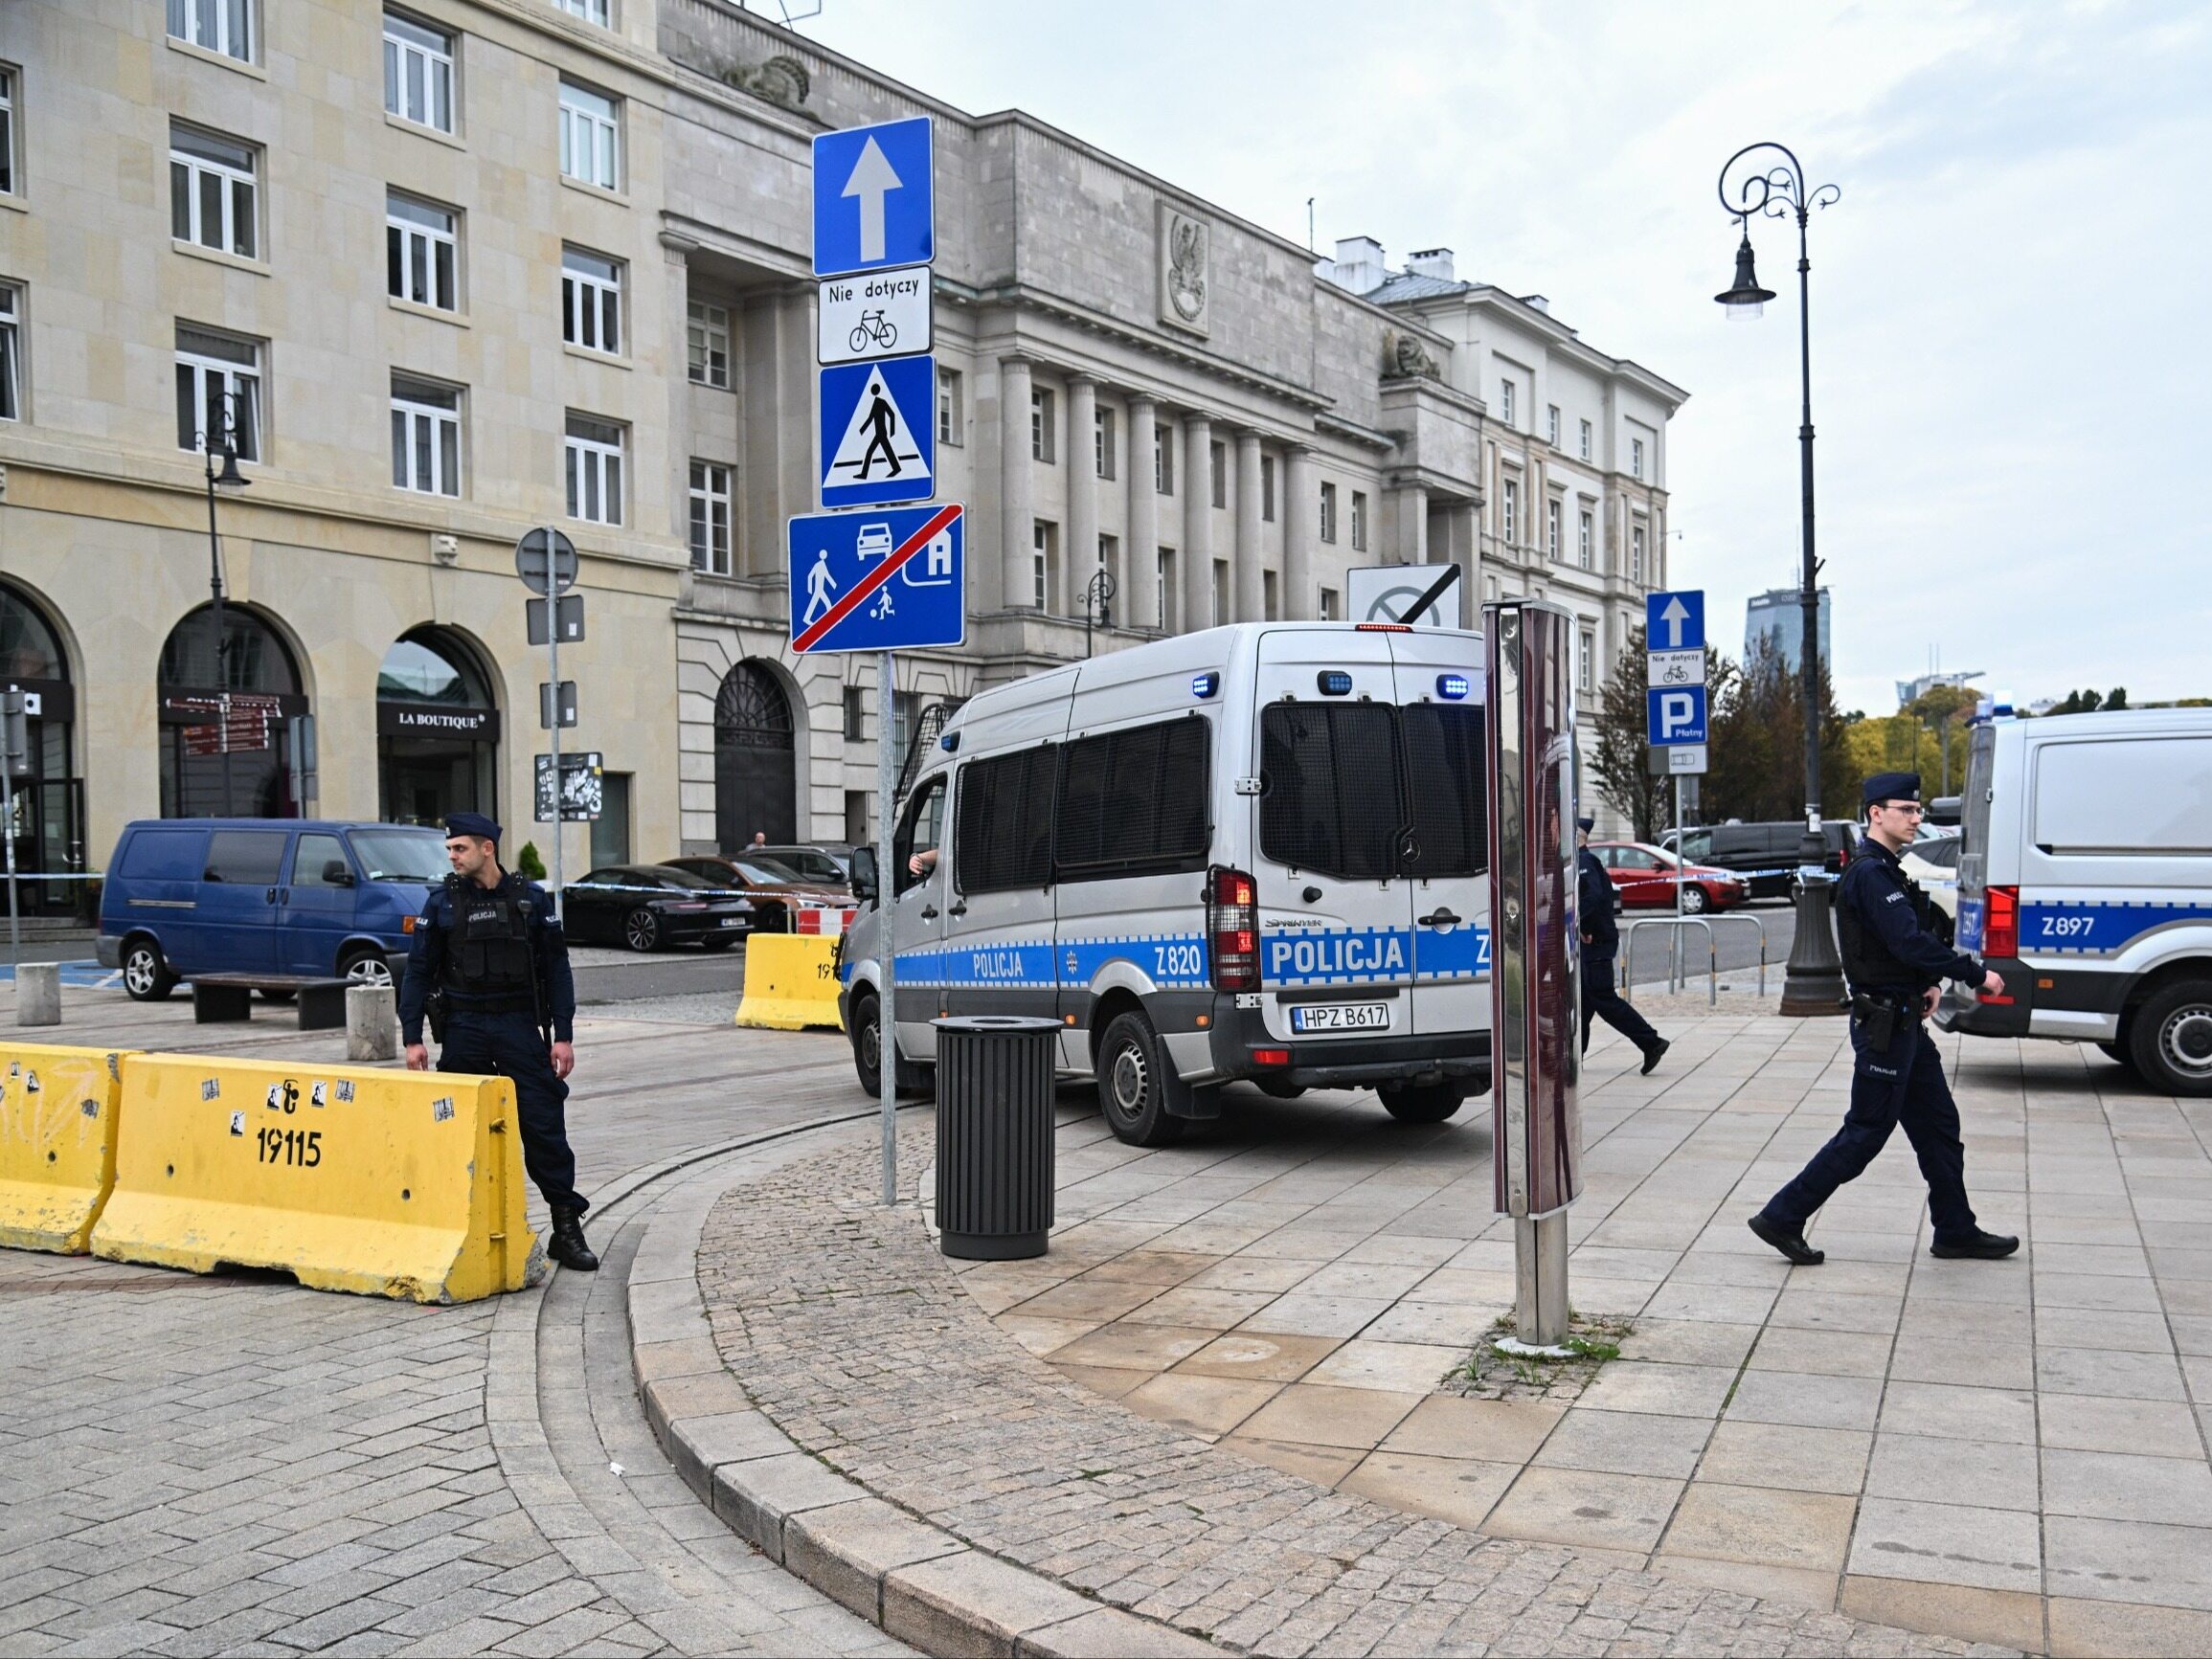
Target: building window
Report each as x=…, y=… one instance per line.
x=855, y=714
x=1328, y=609
x=212, y=367
x=952, y=422
x=1217, y=465
x=1586, y=441
x=1041, y=536
x=1102, y=442
x=1109, y=555
x=421, y=253
x=1505, y=391
x=1585, y=533
x=1267, y=592
x=595, y=470
x=1164, y=458
x=591, y=301
x=1359, y=521
x=1585, y=669
x=588, y=136
x=224, y=26
x=905, y=707
x=1219, y=591
x=1041, y=447
x=1509, y=511
x=1636, y=458
x=11, y=352
x=425, y=436
x=1328, y=512
x=1636, y=554
x=856, y=830
x=710, y=518
x=1551, y=424
x=706, y=343
x=417, y=72
x=8, y=132
x=590, y=10
x=211, y=190
x=1552, y=513
x=1267, y=488
x=1164, y=573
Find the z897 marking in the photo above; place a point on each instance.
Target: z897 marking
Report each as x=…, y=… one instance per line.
x=2066, y=927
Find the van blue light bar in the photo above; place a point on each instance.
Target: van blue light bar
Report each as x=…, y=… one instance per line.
x=1205, y=684
x=1451, y=686
x=949, y=742
x=1334, y=682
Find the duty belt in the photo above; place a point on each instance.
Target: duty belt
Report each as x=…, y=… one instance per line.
x=501, y=1003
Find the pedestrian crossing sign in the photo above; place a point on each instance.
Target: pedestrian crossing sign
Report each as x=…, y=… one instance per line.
x=879, y=431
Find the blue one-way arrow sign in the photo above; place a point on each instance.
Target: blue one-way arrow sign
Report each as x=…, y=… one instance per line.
x=1674, y=622
x=873, y=201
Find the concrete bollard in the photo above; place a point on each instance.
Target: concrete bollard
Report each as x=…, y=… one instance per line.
x=372, y=1023
x=38, y=994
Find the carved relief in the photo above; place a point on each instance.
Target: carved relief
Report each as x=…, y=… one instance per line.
x=1185, y=247
x=780, y=80
x=1405, y=357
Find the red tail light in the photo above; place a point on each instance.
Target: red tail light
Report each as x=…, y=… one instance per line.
x=1232, y=928
x=2001, y=922
x=1271, y=1057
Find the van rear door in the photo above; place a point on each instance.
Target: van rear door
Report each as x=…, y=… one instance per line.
x=1440, y=712
x=1329, y=825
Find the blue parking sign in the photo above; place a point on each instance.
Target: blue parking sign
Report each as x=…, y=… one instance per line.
x=874, y=198
x=1675, y=715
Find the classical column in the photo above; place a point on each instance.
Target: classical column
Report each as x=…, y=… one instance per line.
x=676, y=254
x=1300, y=509
x=1079, y=553
x=1247, y=572
x=1141, y=550
x=1017, y=492
x=1197, y=551
x=1412, y=524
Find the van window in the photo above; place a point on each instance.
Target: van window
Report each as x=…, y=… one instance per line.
x=316, y=853
x=921, y=831
x=165, y=854
x=247, y=858
x=1699, y=845
x=2143, y=794
x=1003, y=822
x=1445, y=779
x=402, y=855
x=1331, y=788
x=1134, y=800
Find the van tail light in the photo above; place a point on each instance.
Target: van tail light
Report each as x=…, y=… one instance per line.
x=2001, y=922
x=1232, y=929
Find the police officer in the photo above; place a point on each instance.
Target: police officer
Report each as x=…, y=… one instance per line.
x=1600, y=941
x=1894, y=963
x=489, y=943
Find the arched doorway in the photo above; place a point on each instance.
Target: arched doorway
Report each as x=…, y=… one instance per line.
x=437, y=729
x=233, y=722
x=48, y=827
x=755, y=777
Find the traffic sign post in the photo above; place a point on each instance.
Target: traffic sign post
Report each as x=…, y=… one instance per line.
x=874, y=198
x=878, y=581
x=1675, y=701
x=546, y=560
x=879, y=439
x=1421, y=595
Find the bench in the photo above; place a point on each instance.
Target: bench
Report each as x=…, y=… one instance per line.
x=222, y=998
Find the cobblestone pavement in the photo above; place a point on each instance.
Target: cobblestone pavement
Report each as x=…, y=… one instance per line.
x=234, y=1464
x=846, y=1327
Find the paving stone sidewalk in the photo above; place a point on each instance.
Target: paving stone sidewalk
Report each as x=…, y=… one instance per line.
x=846, y=1327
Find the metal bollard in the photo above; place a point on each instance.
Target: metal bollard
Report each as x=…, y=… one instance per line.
x=995, y=1135
x=372, y=1023
x=38, y=994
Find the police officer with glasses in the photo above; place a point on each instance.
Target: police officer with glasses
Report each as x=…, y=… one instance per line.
x=490, y=969
x=1894, y=963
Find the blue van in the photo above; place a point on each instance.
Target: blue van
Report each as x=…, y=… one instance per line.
x=285, y=897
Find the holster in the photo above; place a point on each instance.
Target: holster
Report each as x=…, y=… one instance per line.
x=433, y=1014
x=1878, y=1017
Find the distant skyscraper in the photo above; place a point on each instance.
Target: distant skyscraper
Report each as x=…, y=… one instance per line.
x=1777, y=615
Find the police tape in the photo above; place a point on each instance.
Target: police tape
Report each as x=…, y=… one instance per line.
x=58, y=1137
x=791, y=982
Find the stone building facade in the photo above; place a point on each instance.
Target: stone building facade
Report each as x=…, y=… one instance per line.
x=467, y=267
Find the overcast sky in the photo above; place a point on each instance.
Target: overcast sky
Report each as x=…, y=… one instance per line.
x=2009, y=381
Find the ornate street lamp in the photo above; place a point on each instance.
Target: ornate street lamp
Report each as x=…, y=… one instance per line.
x=228, y=478
x=1814, y=983
x=1097, y=603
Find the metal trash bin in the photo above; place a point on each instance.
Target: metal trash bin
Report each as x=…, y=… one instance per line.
x=995, y=1135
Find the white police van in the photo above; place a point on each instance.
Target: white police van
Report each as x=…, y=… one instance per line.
x=1256, y=852
x=2085, y=880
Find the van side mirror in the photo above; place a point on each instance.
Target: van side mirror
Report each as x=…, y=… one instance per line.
x=865, y=883
x=337, y=873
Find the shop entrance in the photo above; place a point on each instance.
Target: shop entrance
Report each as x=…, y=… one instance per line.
x=437, y=730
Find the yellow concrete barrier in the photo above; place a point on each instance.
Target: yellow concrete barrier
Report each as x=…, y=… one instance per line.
x=58, y=1118
x=790, y=981
x=388, y=1183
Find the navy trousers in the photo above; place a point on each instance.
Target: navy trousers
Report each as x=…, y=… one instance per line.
x=509, y=1045
x=1904, y=1085
x=1600, y=1001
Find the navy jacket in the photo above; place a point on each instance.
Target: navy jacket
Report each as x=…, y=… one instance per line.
x=426, y=960
x=1593, y=899
x=1887, y=944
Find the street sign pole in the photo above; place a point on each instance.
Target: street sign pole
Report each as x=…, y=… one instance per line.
x=552, y=647
x=887, y=887
x=12, y=721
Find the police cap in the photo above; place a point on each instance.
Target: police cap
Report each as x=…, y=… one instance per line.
x=1586, y=824
x=471, y=823
x=1890, y=786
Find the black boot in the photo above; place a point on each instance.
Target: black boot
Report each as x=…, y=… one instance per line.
x=568, y=1246
x=1976, y=1245
x=1790, y=1244
x=1656, y=1053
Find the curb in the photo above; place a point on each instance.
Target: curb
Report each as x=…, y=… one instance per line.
x=917, y=1583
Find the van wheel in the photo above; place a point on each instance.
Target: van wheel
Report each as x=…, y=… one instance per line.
x=911, y=1076
x=366, y=968
x=1131, y=1093
x=1422, y=1102
x=2171, y=1037
x=146, y=977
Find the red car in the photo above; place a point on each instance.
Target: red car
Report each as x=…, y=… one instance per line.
x=1645, y=878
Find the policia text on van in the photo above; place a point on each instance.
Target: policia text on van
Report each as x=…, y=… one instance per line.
x=1254, y=853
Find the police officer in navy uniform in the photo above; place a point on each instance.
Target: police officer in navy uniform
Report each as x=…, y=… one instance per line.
x=488, y=942
x=1894, y=962
x=1600, y=941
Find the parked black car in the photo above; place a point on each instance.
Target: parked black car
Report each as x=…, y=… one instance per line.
x=648, y=906
x=1765, y=854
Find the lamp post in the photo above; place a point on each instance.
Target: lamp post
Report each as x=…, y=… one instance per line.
x=1097, y=603
x=229, y=477
x=1774, y=185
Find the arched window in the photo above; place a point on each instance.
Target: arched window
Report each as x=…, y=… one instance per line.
x=437, y=729
x=230, y=717
x=48, y=826
x=756, y=763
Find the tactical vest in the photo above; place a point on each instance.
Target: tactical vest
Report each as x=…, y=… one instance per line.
x=489, y=950
x=1868, y=964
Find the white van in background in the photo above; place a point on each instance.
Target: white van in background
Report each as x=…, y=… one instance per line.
x=1258, y=852
x=2085, y=880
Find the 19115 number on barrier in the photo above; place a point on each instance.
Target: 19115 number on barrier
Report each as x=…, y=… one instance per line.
x=302, y=1149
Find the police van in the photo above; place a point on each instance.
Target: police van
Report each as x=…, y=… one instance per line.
x=2085, y=880
x=1253, y=853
